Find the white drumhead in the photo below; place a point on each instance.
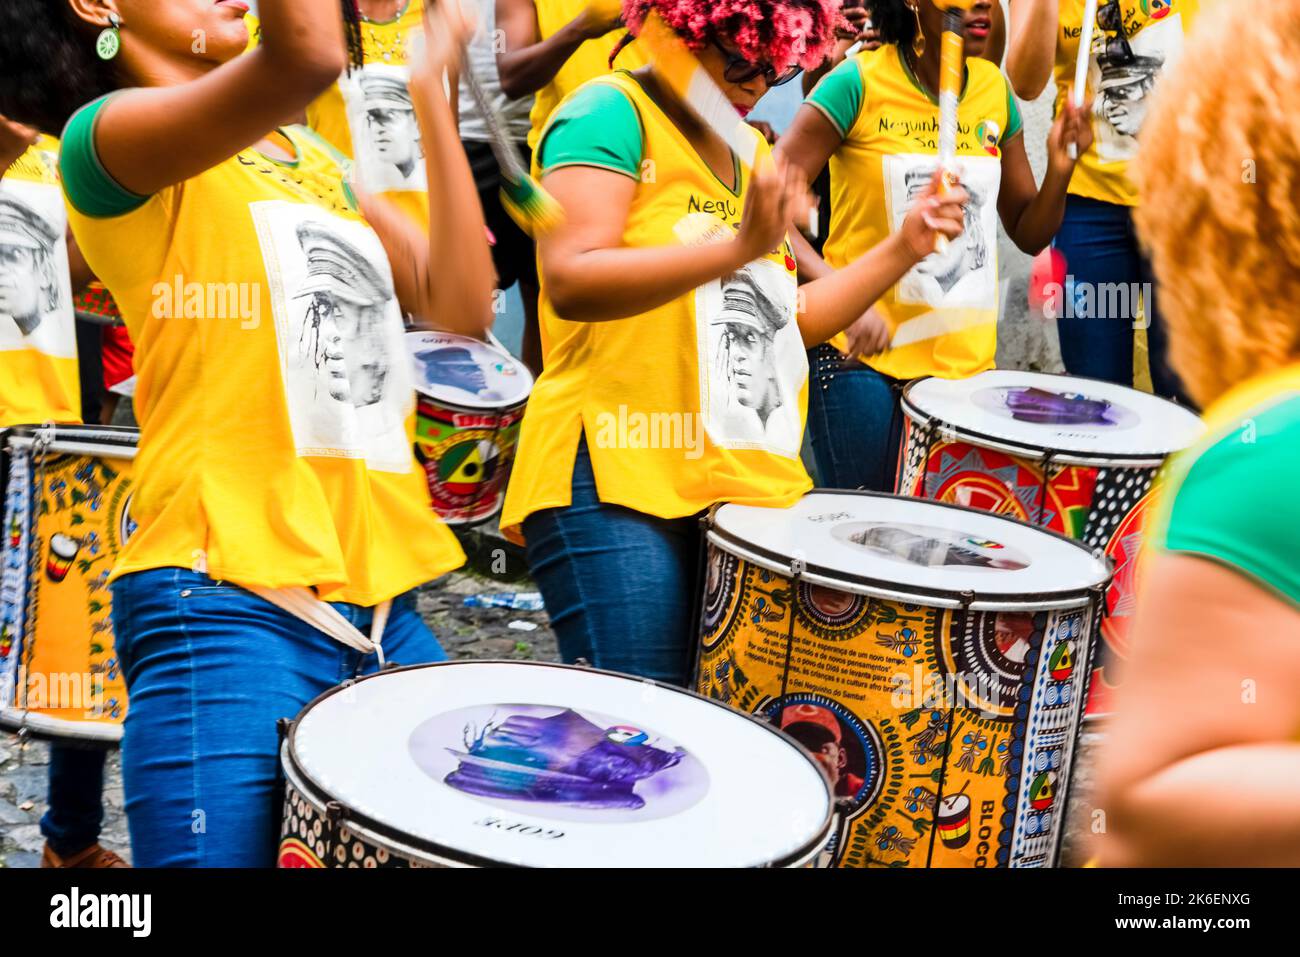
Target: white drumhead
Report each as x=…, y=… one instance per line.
x=549, y=766
x=1061, y=413
x=466, y=372
x=914, y=545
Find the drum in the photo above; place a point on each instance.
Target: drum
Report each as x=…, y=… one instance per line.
x=925, y=654
x=67, y=514
x=538, y=765
x=1076, y=456
x=470, y=403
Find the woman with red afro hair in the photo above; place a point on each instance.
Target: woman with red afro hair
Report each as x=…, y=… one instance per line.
x=673, y=332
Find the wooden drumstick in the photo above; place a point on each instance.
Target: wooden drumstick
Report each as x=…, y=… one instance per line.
x=1084, y=62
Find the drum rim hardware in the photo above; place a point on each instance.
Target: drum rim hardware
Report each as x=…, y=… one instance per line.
x=428, y=851
x=891, y=591
x=1010, y=446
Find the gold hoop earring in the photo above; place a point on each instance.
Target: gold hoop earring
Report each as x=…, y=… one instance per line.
x=918, y=41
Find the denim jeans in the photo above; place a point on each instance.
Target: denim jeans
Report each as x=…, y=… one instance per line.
x=1100, y=246
x=76, y=810
x=619, y=585
x=210, y=668
x=855, y=422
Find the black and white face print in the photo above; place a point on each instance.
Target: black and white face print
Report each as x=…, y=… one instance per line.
x=385, y=134
x=753, y=362
x=35, y=289
x=966, y=273
x=1124, y=83
x=348, y=384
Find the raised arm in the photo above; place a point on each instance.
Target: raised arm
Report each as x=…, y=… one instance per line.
x=1032, y=214
x=215, y=114
x=1031, y=52
x=528, y=64
x=457, y=299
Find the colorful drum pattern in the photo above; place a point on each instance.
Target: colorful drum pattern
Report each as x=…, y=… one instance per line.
x=67, y=515
x=535, y=765
x=1075, y=456
x=942, y=697
x=471, y=399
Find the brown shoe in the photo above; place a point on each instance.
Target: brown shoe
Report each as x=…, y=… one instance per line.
x=93, y=856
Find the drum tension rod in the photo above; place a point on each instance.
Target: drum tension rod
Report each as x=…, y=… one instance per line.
x=966, y=598
x=797, y=566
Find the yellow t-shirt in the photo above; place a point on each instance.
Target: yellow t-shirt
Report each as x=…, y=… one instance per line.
x=274, y=391
x=943, y=314
x=368, y=117
x=38, y=339
x=590, y=60
x=1121, y=87
x=699, y=401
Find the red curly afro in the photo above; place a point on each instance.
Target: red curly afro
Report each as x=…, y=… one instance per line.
x=781, y=32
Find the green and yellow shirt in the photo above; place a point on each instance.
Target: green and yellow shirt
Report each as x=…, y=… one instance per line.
x=273, y=386
x=699, y=401
x=943, y=314
x=1120, y=83
x=38, y=339
x=590, y=60
x=1232, y=498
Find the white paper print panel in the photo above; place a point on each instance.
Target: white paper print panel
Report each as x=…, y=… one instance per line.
x=347, y=379
x=1122, y=85
x=752, y=359
x=385, y=135
x=965, y=275
x=35, y=290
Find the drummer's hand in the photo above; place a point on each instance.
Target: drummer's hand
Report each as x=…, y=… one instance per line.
x=777, y=193
x=448, y=27
x=1073, y=125
x=14, y=139
x=868, y=336
x=933, y=216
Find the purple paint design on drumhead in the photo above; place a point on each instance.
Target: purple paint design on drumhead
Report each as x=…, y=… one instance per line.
x=558, y=763
x=929, y=547
x=1044, y=407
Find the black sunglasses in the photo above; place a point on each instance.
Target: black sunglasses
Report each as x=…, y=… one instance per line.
x=741, y=70
x=1111, y=19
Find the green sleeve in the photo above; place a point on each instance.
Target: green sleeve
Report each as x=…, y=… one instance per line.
x=1237, y=503
x=598, y=126
x=1015, y=125
x=89, y=187
x=838, y=95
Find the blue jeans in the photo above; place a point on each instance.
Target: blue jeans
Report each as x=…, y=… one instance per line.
x=76, y=809
x=1100, y=246
x=210, y=668
x=855, y=422
x=619, y=585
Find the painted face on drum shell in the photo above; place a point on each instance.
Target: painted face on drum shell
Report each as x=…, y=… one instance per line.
x=193, y=32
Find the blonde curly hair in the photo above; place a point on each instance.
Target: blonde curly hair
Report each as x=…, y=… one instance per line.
x=1219, y=180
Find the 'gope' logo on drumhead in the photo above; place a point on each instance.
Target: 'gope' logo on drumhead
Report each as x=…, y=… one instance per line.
x=556, y=762
x=929, y=547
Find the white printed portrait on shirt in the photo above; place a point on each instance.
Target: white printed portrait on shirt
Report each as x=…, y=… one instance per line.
x=385, y=134
x=753, y=362
x=965, y=274
x=35, y=290
x=348, y=383
x=1123, y=76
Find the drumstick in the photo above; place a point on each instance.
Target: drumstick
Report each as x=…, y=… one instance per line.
x=950, y=82
x=1084, y=61
x=535, y=210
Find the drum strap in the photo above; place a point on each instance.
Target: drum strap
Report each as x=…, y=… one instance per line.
x=303, y=604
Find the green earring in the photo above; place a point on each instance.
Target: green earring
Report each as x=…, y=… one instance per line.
x=110, y=38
